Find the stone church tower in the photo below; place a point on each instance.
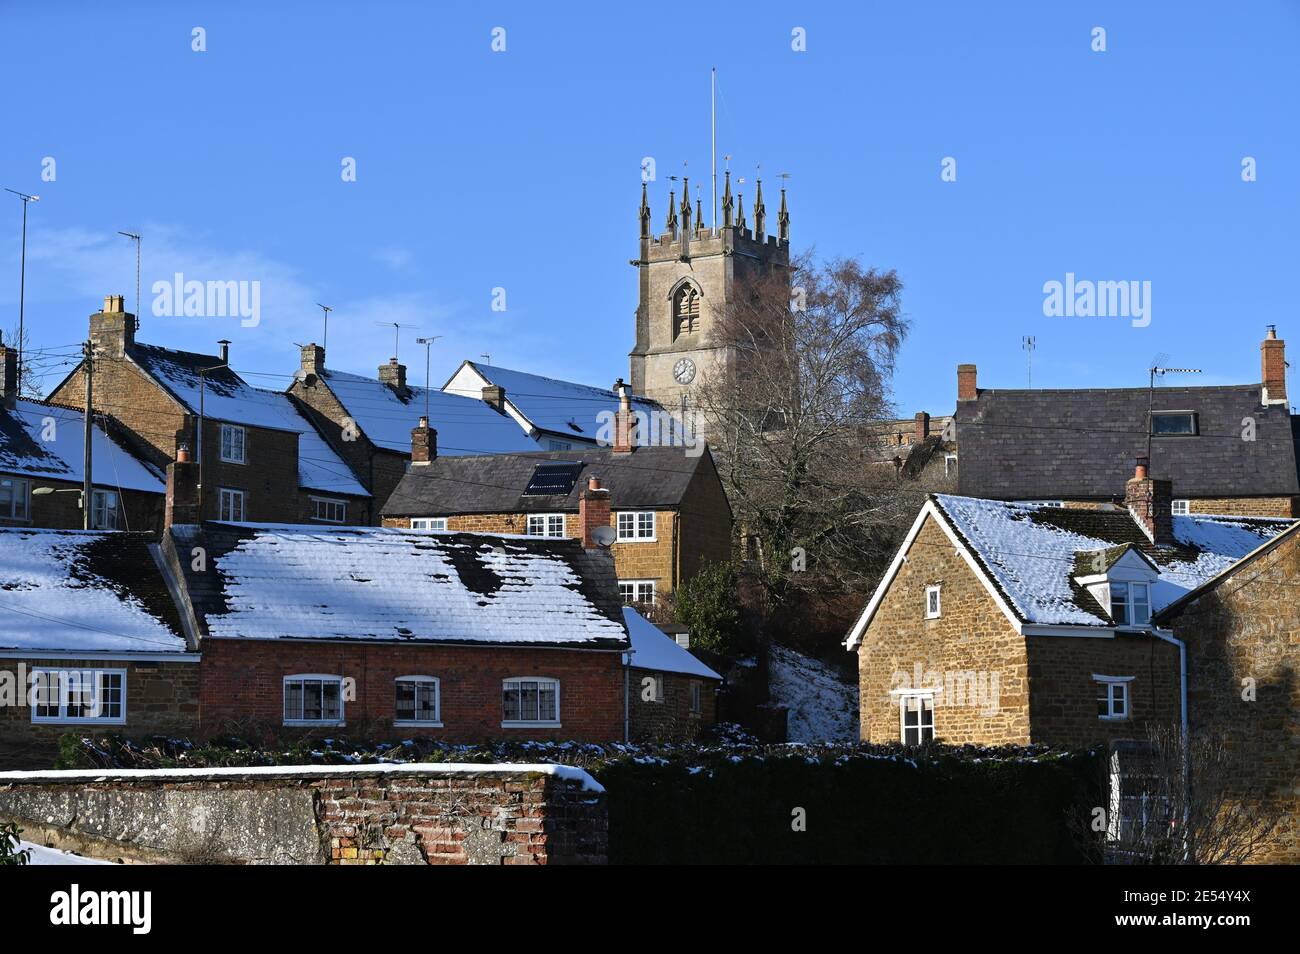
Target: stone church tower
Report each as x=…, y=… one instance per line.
x=688, y=276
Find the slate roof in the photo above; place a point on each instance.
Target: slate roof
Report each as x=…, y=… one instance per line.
x=464, y=425
x=25, y=451
x=84, y=591
x=1081, y=444
x=565, y=409
x=1031, y=552
x=278, y=581
x=228, y=397
x=649, y=477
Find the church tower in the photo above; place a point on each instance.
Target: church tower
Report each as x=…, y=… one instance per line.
x=687, y=277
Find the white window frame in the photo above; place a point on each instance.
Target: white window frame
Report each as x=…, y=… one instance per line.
x=1108, y=685
x=329, y=502
x=548, y=521
x=1131, y=588
x=99, y=504
x=306, y=677
x=697, y=696
x=950, y=465
x=436, y=722
x=230, y=494
x=229, y=430
x=531, y=723
x=21, y=493
x=65, y=683
x=1181, y=508
x=924, y=695
x=937, y=610
x=428, y=523
x=637, y=531
x=636, y=591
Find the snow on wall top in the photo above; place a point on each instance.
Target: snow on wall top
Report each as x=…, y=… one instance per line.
x=1029, y=550
x=464, y=425
x=84, y=591
x=278, y=581
x=25, y=450
x=652, y=648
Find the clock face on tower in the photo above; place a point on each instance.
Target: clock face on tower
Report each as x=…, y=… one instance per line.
x=684, y=371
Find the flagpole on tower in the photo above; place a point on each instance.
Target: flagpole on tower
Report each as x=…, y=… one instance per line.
x=713, y=140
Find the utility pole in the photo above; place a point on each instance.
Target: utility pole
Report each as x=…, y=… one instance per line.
x=198, y=436
x=87, y=486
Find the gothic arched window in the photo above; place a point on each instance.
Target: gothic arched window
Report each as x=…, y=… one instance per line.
x=686, y=311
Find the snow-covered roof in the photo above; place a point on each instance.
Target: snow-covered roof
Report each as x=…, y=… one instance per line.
x=1030, y=554
x=654, y=649
x=280, y=581
x=464, y=425
x=227, y=397
x=84, y=591
x=561, y=408
x=25, y=449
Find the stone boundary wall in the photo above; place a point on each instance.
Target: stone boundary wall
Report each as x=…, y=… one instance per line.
x=350, y=814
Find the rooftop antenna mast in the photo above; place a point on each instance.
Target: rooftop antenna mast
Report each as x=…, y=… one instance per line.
x=135, y=237
x=1155, y=370
x=325, y=338
x=397, y=331
x=427, y=342
x=1028, y=342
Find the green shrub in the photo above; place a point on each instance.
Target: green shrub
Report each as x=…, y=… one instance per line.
x=709, y=604
x=10, y=853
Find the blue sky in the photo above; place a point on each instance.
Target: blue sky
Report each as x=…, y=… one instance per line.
x=521, y=170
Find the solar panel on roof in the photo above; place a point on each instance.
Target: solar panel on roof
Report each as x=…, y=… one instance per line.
x=556, y=478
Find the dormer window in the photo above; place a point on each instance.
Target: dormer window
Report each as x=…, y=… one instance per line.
x=1130, y=604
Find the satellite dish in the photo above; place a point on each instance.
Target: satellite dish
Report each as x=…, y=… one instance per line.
x=604, y=536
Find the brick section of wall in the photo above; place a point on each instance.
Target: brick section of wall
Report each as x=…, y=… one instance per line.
x=1063, y=694
x=670, y=718
x=972, y=639
x=161, y=699
x=319, y=816
x=1246, y=628
x=243, y=680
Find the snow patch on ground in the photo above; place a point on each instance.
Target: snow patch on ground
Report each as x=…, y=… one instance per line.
x=40, y=855
x=822, y=707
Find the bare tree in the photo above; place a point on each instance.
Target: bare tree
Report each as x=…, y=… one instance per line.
x=812, y=353
x=1176, y=800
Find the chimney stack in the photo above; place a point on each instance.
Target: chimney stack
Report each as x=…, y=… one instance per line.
x=922, y=426
x=394, y=375
x=593, y=511
x=313, y=359
x=495, y=397
x=225, y=350
x=182, y=489
x=1272, y=352
x=1151, y=502
x=112, y=330
x=8, y=377
x=623, y=443
x=966, y=389
x=424, y=443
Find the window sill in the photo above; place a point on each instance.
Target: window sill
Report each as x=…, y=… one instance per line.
x=309, y=722
x=38, y=720
x=1112, y=718
x=530, y=725
x=413, y=724
x=227, y=460
x=636, y=539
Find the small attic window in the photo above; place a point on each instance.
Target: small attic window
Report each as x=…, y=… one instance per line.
x=1174, y=423
x=933, y=602
x=553, y=479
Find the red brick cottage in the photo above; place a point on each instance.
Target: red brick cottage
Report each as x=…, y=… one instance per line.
x=458, y=636
x=1012, y=623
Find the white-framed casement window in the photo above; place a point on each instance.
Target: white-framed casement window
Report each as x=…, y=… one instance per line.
x=1112, y=697
x=104, y=509
x=697, y=697
x=933, y=601
x=1130, y=603
x=546, y=525
x=428, y=523
x=1182, y=507
x=329, y=510
x=418, y=701
x=636, y=525
x=232, y=444
x=637, y=592
x=916, y=717
x=232, y=505
x=313, y=699
x=528, y=701
x=79, y=696
x=15, y=498
x=950, y=465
